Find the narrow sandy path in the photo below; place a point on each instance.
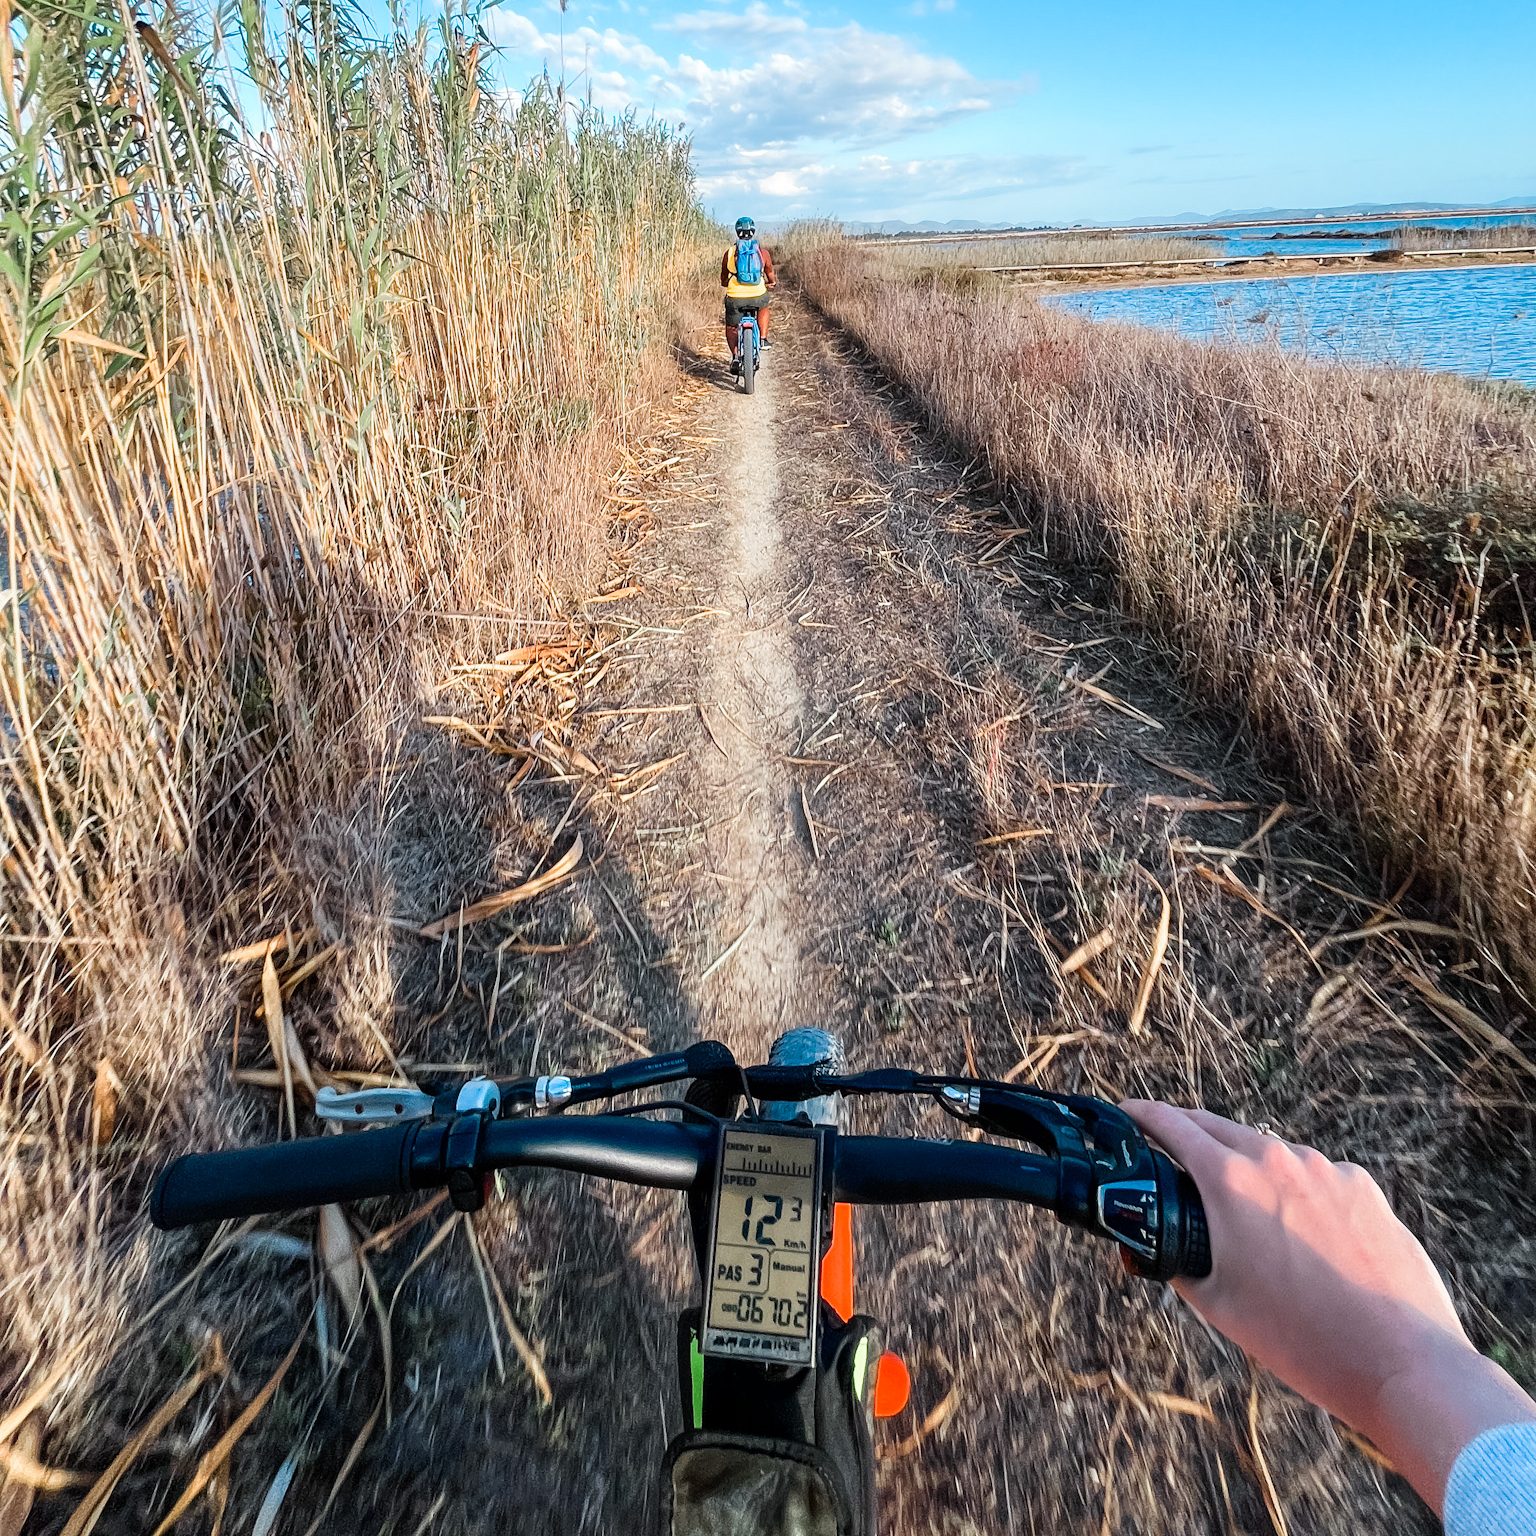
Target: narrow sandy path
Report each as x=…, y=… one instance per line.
x=752, y=703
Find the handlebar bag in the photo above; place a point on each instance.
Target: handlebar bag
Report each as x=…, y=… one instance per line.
x=776, y=1453
x=746, y=1485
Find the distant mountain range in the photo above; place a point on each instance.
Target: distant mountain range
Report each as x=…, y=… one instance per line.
x=1226, y=216
x=922, y=227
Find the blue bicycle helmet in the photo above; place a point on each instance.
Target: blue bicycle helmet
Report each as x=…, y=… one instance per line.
x=745, y=228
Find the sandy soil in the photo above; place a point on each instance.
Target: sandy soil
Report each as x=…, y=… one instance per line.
x=846, y=749
x=752, y=704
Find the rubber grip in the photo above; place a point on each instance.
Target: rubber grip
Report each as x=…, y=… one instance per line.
x=253, y=1181
x=1195, y=1260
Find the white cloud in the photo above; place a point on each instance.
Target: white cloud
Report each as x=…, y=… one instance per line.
x=882, y=186
x=791, y=81
x=793, y=111
x=748, y=27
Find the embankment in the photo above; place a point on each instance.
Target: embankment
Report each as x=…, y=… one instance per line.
x=1341, y=554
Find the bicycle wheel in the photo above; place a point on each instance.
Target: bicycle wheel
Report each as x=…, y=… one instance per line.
x=804, y=1048
x=748, y=359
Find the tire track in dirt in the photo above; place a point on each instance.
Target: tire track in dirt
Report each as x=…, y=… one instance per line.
x=752, y=704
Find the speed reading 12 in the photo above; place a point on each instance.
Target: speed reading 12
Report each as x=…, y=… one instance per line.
x=765, y=1246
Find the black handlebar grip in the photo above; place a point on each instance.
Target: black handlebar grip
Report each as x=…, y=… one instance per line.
x=1195, y=1261
x=252, y=1181
x=1183, y=1238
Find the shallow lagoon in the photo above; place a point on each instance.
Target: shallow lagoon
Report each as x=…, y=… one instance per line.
x=1320, y=238
x=1480, y=321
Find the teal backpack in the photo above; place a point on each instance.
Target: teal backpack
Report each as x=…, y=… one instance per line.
x=749, y=263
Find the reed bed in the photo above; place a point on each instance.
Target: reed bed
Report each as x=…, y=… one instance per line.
x=1344, y=554
x=1473, y=237
x=305, y=401
x=1064, y=250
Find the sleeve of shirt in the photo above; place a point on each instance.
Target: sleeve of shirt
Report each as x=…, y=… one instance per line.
x=1492, y=1488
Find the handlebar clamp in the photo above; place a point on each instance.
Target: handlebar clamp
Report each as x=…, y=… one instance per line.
x=451, y=1155
x=463, y=1173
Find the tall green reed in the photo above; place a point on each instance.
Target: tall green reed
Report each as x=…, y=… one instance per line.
x=318, y=350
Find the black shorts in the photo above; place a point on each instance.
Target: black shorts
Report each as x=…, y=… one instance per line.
x=736, y=308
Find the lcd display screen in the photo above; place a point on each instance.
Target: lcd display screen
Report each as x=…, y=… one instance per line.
x=763, y=1261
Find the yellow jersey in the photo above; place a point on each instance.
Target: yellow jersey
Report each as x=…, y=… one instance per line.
x=734, y=287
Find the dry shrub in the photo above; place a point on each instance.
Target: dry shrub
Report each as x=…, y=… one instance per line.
x=1341, y=552
x=295, y=416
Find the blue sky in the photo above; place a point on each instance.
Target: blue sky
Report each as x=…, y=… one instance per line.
x=1032, y=113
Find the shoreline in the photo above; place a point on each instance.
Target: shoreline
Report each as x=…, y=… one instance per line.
x=1317, y=222
x=1255, y=269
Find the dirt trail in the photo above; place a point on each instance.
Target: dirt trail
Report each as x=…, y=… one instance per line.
x=893, y=764
x=751, y=704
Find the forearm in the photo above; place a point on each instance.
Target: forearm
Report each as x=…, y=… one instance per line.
x=1317, y=1280
x=1428, y=1413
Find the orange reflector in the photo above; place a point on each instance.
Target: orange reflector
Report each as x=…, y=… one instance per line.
x=837, y=1264
x=893, y=1386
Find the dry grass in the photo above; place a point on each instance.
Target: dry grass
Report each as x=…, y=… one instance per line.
x=1343, y=553
x=294, y=420
x=1065, y=250
x=1048, y=817
x=1476, y=237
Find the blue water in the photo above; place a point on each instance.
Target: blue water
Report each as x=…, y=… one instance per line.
x=1481, y=321
x=1257, y=242
x=1237, y=244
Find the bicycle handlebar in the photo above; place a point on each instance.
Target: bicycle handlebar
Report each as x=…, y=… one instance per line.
x=867, y=1170
x=395, y=1160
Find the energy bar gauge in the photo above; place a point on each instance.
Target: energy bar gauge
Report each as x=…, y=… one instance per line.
x=760, y=1301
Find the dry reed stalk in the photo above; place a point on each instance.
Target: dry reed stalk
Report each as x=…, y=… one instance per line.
x=296, y=414
x=1465, y=238
x=1155, y=958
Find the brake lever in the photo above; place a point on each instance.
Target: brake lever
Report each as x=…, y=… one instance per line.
x=373, y=1106
x=387, y=1106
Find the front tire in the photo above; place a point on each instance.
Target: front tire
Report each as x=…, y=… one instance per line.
x=805, y=1048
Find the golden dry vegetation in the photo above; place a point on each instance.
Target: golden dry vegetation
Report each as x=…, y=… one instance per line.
x=1473, y=237
x=1344, y=554
x=305, y=405
x=1053, y=250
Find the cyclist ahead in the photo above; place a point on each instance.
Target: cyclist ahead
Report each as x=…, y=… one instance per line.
x=746, y=274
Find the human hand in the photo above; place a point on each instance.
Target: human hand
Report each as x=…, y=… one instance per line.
x=1316, y=1279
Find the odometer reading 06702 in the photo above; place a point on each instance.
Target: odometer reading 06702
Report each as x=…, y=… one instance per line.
x=762, y=1279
